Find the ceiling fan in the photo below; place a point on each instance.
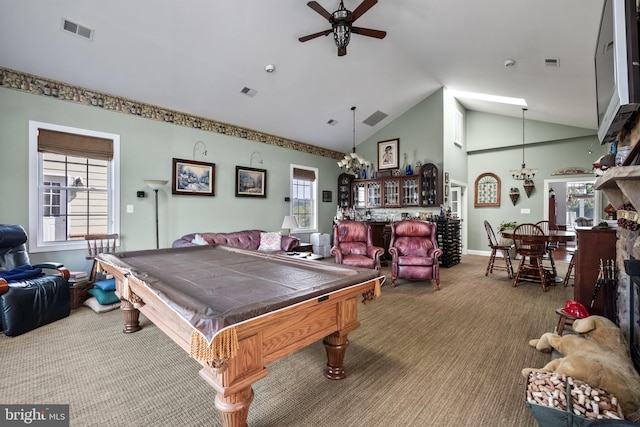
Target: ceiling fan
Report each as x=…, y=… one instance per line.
x=341, y=24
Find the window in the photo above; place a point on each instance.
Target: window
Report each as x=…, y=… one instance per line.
x=73, y=186
x=304, y=197
x=580, y=201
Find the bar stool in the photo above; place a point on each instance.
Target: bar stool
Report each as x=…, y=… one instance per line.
x=565, y=320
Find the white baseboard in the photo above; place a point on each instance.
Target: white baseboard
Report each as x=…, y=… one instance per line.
x=481, y=253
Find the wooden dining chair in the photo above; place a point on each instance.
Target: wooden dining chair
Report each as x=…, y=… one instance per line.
x=495, y=248
x=546, y=226
x=570, y=270
x=530, y=243
x=98, y=244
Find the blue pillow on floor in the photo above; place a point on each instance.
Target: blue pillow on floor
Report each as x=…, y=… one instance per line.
x=106, y=285
x=104, y=297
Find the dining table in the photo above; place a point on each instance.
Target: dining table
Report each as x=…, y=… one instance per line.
x=560, y=236
x=550, y=236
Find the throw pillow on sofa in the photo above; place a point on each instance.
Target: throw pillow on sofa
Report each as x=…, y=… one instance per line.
x=198, y=240
x=270, y=241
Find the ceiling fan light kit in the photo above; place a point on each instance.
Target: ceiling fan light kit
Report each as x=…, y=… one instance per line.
x=342, y=24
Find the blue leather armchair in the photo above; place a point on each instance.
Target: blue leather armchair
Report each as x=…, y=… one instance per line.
x=29, y=297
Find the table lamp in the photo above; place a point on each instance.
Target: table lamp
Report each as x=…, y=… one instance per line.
x=289, y=223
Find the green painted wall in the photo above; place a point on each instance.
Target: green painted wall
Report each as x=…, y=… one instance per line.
x=548, y=148
x=455, y=156
x=147, y=149
x=491, y=143
x=420, y=132
x=482, y=134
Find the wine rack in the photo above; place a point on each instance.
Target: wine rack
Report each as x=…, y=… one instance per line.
x=449, y=241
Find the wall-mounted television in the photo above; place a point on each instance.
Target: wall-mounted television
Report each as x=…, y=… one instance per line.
x=617, y=63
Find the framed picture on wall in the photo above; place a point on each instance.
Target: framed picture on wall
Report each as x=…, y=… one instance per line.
x=193, y=178
x=388, y=154
x=326, y=195
x=487, y=190
x=251, y=182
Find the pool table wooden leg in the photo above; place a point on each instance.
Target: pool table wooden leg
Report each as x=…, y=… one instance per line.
x=234, y=409
x=131, y=317
x=336, y=346
x=233, y=395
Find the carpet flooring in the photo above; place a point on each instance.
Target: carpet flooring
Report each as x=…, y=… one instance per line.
x=420, y=358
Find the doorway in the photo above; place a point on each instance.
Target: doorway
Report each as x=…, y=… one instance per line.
x=458, y=205
x=575, y=198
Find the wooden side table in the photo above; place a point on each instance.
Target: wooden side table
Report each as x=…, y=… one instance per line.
x=79, y=293
x=303, y=247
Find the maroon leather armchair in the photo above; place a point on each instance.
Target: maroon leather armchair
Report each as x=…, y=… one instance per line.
x=414, y=251
x=352, y=245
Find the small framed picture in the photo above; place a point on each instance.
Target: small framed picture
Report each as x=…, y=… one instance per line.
x=251, y=182
x=388, y=154
x=193, y=178
x=326, y=195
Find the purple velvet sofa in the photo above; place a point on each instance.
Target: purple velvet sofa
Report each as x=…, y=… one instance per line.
x=246, y=239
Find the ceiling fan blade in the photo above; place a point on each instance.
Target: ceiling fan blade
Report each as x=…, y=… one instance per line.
x=314, y=35
x=342, y=51
x=361, y=9
x=321, y=10
x=369, y=32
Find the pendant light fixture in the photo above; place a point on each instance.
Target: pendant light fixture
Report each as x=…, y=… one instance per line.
x=524, y=173
x=353, y=162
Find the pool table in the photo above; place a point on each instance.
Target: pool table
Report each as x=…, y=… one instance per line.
x=236, y=311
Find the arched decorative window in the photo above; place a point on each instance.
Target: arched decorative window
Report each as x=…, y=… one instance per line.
x=487, y=190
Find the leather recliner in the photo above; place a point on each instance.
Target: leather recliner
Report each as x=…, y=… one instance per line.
x=414, y=251
x=38, y=298
x=352, y=245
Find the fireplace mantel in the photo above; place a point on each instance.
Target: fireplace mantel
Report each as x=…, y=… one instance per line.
x=621, y=185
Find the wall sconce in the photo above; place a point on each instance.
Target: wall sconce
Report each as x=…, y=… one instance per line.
x=251, y=158
x=204, y=149
x=514, y=195
x=528, y=185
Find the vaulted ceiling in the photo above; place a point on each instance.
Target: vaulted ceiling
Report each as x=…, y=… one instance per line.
x=196, y=56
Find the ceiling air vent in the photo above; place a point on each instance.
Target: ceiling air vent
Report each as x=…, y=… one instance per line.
x=248, y=91
x=552, y=62
x=375, y=118
x=77, y=29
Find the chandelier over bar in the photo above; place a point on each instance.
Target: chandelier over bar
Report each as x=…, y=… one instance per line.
x=524, y=173
x=353, y=162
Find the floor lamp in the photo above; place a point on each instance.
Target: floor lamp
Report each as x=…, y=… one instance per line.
x=155, y=185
